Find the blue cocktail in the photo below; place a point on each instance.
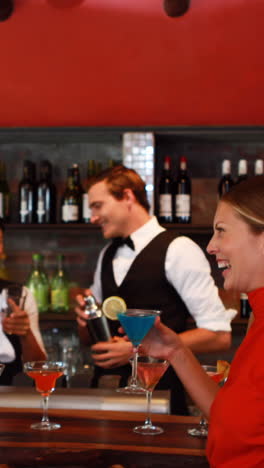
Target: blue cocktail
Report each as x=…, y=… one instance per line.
x=136, y=323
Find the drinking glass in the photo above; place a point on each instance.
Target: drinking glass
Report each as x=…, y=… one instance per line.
x=45, y=374
x=136, y=323
x=17, y=294
x=149, y=371
x=202, y=430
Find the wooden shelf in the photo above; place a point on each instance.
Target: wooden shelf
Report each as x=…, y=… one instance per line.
x=182, y=228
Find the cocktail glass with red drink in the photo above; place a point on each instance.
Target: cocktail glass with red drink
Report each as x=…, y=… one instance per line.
x=136, y=323
x=45, y=375
x=202, y=430
x=149, y=372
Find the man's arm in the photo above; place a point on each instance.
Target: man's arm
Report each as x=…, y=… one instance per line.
x=188, y=270
x=201, y=340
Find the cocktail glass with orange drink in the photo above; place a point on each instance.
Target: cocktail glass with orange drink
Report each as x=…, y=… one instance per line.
x=45, y=375
x=149, y=372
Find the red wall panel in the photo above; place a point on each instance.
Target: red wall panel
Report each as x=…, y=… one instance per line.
x=111, y=62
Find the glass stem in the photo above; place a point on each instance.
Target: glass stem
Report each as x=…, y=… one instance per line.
x=203, y=425
x=134, y=366
x=45, y=404
x=148, y=421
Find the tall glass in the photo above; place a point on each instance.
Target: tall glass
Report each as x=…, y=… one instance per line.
x=149, y=371
x=45, y=374
x=202, y=430
x=136, y=323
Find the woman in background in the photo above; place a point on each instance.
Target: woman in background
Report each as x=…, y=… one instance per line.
x=236, y=411
x=20, y=337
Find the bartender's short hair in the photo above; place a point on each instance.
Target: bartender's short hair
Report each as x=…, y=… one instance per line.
x=119, y=178
x=247, y=199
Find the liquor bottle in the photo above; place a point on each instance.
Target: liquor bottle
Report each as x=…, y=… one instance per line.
x=27, y=194
x=165, y=213
x=97, y=323
x=46, y=195
x=244, y=306
x=59, y=288
x=38, y=283
x=182, y=194
x=71, y=204
x=86, y=212
x=4, y=195
x=242, y=170
x=226, y=181
x=258, y=168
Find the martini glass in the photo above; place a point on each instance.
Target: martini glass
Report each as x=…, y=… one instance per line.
x=136, y=323
x=202, y=430
x=45, y=374
x=149, y=371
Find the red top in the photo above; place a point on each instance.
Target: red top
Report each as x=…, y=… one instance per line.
x=236, y=435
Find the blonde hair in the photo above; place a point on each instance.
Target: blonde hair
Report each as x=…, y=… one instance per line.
x=247, y=199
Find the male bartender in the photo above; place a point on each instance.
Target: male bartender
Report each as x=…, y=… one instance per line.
x=157, y=270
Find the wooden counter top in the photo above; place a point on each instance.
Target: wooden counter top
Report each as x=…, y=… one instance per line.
x=98, y=439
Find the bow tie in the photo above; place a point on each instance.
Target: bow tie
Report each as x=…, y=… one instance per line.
x=119, y=241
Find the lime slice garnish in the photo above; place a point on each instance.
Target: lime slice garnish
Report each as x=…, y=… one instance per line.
x=112, y=306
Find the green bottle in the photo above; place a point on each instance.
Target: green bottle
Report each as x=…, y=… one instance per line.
x=38, y=283
x=60, y=289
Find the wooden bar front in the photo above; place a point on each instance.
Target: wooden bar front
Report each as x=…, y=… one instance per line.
x=98, y=439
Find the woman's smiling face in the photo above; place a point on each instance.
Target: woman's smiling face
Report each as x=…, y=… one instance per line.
x=239, y=251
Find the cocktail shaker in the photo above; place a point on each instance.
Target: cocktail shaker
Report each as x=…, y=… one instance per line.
x=97, y=323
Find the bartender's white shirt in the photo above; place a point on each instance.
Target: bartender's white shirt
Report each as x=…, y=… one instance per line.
x=186, y=268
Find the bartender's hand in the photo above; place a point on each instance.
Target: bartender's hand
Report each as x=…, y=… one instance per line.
x=80, y=314
x=17, y=322
x=112, y=353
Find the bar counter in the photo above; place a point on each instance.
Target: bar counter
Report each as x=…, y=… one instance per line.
x=98, y=439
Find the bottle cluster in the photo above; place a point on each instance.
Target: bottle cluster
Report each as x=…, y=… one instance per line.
x=50, y=294
x=227, y=181
x=174, y=195
x=38, y=200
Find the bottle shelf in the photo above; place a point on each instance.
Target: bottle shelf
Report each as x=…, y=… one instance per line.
x=186, y=228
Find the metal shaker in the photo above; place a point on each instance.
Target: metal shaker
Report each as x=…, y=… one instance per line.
x=97, y=323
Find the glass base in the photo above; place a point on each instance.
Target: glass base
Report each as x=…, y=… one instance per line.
x=131, y=389
x=45, y=426
x=148, y=429
x=198, y=432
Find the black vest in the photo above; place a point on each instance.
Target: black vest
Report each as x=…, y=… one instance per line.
x=145, y=286
x=11, y=368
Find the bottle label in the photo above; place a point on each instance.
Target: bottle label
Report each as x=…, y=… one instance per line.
x=243, y=296
x=24, y=208
x=86, y=212
x=41, y=208
x=165, y=202
x=60, y=299
x=183, y=205
x=70, y=213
